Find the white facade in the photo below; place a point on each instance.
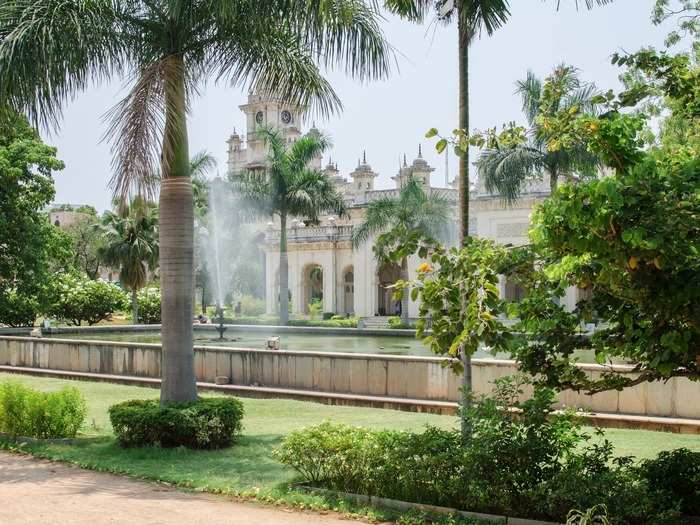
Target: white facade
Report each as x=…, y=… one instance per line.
x=351, y=281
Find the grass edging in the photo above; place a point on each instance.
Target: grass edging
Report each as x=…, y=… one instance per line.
x=404, y=506
x=286, y=496
x=37, y=441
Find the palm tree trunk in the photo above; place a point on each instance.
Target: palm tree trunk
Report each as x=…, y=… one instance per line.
x=553, y=180
x=406, y=292
x=134, y=306
x=176, y=246
x=464, y=38
x=284, y=272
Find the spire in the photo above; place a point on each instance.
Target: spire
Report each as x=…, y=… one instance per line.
x=364, y=156
x=420, y=151
x=404, y=160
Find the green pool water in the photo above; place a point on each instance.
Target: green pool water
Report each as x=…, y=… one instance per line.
x=315, y=342
x=288, y=341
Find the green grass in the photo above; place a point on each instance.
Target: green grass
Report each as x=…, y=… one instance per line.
x=248, y=468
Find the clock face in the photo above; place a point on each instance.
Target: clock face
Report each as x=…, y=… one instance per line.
x=286, y=117
x=259, y=117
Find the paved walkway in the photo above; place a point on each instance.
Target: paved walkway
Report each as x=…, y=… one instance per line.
x=41, y=492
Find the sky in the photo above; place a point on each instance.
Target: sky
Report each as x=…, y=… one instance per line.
x=389, y=118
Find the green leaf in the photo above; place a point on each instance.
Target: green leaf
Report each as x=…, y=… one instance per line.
x=441, y=145
x=431, y=133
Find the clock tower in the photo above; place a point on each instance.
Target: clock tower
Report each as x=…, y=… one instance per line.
x=262, y=111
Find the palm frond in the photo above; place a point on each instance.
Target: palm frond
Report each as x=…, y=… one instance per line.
x=275, y=62
x=504, y=171
x=136, y=126
x=54, y=49
x=530, y=90
x=200, y=164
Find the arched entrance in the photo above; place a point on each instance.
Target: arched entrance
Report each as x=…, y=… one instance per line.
x=387, y=276
x=313, y=285
x=348, y=291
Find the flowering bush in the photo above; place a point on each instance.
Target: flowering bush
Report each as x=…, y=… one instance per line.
x=77, y=299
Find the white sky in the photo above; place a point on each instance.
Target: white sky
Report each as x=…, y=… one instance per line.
x=390, y=118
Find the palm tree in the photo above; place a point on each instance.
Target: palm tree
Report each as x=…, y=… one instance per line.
x=506, y=168
x=200, y=164
x=130, y=237
x=412, y=212
x=289, y=188
x=473, y=17
x=168, y=48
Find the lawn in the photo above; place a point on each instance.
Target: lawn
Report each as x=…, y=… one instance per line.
x=249, y=468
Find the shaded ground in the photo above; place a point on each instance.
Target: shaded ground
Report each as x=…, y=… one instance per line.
x=37, y=491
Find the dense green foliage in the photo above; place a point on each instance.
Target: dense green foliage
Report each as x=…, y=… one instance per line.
x=149, y=305
x=29, y=413
x=31, y=248
x=76, y=299
x=527, y=462
x=631, y=240
x=208, y=423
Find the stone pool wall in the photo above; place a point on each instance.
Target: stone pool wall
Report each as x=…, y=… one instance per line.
x=403, y=377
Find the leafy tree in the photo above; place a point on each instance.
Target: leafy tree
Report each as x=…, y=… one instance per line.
x=87, y=243
x=516, y=155
x=77, y=299
x=130, y=237
x=30, y=247
x=413, y=216
x=169, y=48
x=200, y=164
x=687, y=12
x=473, y=17
x=289, y=188
x=149, y=305
x=632, y=239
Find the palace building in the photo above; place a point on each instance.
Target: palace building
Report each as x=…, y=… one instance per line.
x=322, y=262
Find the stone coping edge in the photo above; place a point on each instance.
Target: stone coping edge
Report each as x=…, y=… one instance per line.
x=656, y=423
x=304, y=353
x=407, y=505
x=328, y=330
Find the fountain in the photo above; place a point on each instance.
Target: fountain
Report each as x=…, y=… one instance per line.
x=219, y=315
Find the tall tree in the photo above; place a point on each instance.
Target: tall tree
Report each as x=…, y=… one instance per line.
x=512, y=159
x=30, y=247
x=473, y=17
x=413, y=216
x=169, y=48
x=130, y=236
x=289, y=188
x=86, y=241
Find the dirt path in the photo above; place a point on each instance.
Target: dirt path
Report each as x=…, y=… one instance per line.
x=41, y=492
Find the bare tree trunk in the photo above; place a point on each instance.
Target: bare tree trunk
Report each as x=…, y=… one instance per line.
x=284, y=273
x=406, y=292
x=464, y=38
x=176, y=247
x=134, y=306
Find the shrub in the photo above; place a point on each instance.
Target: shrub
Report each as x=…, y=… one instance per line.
x=674, y=478
x=18, y=309
x=149, y=305
x=392, y=464
x=77, y=299
x=208, y=423
x=315, y=309
x=528, y=463
x=30, y=413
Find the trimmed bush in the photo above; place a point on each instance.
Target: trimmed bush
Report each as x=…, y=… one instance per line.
x=48, y=415
x=208, y=423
